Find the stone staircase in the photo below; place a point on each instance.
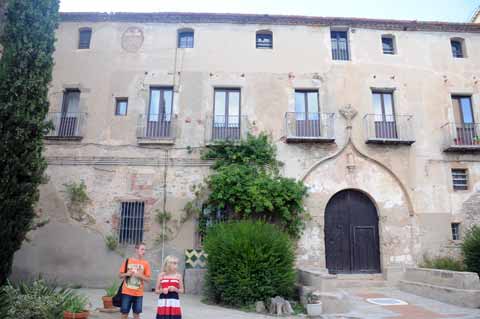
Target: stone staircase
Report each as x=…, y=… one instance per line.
x=328, y=289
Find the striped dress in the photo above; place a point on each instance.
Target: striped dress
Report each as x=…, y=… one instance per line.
x=169, y=304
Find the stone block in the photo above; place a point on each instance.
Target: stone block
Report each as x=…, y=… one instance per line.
x=454, y=287
x=444, y=278
x=194, y=281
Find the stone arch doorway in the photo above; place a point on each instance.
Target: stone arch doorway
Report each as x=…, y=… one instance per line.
x=351, y=234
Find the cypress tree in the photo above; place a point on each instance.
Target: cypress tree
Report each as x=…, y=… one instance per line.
x=28, y=41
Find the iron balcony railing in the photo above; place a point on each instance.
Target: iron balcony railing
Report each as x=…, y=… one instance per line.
x=66, y=125
x=221, y=127
x=389, y=129
x=309, y=126
x=461, y=136
x=156, y=126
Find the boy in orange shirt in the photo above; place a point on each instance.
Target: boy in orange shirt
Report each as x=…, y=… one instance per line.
x=138, y=271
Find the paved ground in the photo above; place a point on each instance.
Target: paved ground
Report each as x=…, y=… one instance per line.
x=417, y=308
x=192, y=308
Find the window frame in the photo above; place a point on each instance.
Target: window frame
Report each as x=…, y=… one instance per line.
x=65, y=105
x=459, y=97
x=393, y=44
x=81, y=45
x=166, y=117
x=337, y=38
x=460, y=44
x=307, y=111
x=460, y=187
x=185, y=33
x=456, y=233
x=263, y=33
x=382, y=94
x=227, y=103
x=119, y=100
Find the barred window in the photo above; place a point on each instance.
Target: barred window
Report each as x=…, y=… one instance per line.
x=460, y=179
x=131, y=223
x=456, y=231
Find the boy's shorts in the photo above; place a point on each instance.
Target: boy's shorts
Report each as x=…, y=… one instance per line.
x=131, y=302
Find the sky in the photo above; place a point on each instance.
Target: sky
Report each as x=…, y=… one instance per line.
x=425, y=10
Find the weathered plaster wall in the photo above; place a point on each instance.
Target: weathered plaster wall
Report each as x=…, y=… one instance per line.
x=414, y=218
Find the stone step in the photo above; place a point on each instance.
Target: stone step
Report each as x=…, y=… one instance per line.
x=359, y=280
x=360, y=276
x=358, y=283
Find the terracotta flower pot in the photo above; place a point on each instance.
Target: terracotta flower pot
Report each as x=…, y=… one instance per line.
x=107, y=302
x=71, y=315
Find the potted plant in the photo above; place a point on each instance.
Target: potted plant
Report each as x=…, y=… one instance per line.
x=75, y=307
x=314, y=304
x=109, y=293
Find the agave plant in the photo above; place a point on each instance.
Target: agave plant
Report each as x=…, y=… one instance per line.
x=76, y=304
x=33, y=300
x=112, y=289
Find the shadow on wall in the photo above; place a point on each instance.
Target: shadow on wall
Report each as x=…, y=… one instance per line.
x=69, y=255
x=75, y=256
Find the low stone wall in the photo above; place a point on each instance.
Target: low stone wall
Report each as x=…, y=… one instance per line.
x=454, y=287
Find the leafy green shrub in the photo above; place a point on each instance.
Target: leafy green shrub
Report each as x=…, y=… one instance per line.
x=111, y=242
x=248, y=261
x=246, y=184
x=36, y=300
x=471, y=249
x=445, y=263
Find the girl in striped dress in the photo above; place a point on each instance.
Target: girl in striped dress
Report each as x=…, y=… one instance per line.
x=169, y=285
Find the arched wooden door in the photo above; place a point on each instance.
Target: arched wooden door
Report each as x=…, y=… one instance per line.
x=351, y=234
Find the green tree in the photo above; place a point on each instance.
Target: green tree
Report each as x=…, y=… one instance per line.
x=25, y=72
x=246, y=184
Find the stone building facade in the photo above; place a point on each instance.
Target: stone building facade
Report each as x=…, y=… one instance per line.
x=377, y=117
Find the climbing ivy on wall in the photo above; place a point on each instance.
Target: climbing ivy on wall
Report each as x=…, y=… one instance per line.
x=246, y=184
x=25, y=72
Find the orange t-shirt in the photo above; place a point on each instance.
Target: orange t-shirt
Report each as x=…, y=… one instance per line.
x=133, y=286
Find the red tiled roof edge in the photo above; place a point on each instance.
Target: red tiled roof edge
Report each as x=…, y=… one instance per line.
x=180, y=17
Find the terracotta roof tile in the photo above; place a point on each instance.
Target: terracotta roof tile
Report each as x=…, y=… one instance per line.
x=178, y=17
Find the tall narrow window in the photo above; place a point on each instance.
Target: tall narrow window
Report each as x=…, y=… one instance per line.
x=264, y=39
x=185, y=38
x=226, y=118
x=385, y=125
x=388, y=44
x=455, y=231
x=121, y=106
x=131, y=223
x=69, y=117
x=307, y=113
x=465, y=130
x=339, y=45
x=459, y=179
x=457, y=48
x=160, y=112
x=85, y=35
